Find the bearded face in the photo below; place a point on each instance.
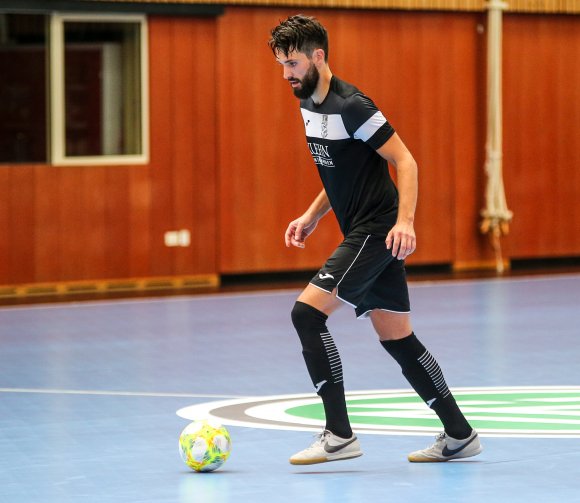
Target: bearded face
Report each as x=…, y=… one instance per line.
x=304, y=88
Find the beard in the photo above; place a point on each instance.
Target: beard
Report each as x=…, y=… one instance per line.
x=307, y=84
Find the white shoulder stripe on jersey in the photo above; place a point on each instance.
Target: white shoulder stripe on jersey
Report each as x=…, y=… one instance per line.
x=370, y=127
x=327, y=126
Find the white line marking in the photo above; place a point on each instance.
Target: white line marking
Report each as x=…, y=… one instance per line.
x=47, y=391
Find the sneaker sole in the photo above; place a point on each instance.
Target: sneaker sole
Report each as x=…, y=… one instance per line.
x=314, y=461
x=421, y=459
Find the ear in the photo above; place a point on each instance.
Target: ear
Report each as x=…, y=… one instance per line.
x=318, y=56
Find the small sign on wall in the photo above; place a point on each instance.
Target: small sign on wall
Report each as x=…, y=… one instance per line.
x=178, y=238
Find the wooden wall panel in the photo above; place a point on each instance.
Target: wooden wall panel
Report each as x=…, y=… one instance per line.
x=265, y=175
x=21, y=207
x=470, y=247
x=412, y=64
x=5, y=225
x=179, y=192
x=46, y=224
x=229, y=160
x=95, y=222
x=160, y=208
x=118, y=230
x=541, y=134
x=140, y=215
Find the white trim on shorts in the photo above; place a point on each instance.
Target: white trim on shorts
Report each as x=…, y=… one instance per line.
x=345, y=301
x=349, y=267
x=320, y=288
x=330, y=292
x=365, y=315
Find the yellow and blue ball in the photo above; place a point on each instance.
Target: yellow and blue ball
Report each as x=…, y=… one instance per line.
x=204, y=446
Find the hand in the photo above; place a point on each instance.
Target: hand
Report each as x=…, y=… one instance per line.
x=401, y=240
x=298, y=230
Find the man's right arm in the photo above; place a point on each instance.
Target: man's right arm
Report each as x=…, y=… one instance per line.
x=298, y=230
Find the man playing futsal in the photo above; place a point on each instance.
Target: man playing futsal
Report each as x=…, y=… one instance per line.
x=351, y=143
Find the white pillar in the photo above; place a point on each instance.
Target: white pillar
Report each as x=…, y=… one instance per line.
x=496, y=215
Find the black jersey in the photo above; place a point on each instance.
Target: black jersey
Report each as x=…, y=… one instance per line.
x=343, y=133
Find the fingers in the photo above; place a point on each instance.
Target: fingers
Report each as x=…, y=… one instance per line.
x=298, y=237
x=298, y=232
x=288, y=236
x=294, y=235
x=400, y=244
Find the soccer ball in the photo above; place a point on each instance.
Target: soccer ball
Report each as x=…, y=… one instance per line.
x=204, y=446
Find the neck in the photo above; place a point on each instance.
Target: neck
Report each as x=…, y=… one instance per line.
x=323, y=85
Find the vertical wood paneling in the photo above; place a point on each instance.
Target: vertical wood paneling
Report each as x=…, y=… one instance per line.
x=184, y=128
x=266, y=173
x=94, y=196
x=183, y=159
x=21, y=211
x=78, y=223
x=140, y=215
x=6, y=247
x=393, y=58
x=542, y=127
x=468, y=145
x=47, y=227
x=116, y=249
x=69, y=205
x=196, y=124
x=412, y=80
x=229, y=160
x=162, y=152
x=183, y=107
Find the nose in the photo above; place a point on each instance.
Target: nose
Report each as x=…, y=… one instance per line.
x=287, y=72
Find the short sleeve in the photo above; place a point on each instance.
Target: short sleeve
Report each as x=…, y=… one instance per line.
x=364, y=121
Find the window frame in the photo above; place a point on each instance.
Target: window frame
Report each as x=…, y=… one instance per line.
x=57, y=131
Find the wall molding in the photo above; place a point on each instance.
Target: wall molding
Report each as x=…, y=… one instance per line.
x=531, y=6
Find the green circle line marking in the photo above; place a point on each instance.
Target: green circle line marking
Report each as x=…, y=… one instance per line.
x=540, y=411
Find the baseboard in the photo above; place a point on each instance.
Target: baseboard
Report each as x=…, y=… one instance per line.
x=109, y=286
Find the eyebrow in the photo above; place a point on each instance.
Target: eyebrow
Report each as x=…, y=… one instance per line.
x=291, y=60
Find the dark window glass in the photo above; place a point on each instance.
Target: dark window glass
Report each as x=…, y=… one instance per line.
x=23, y=129
x=102, y=88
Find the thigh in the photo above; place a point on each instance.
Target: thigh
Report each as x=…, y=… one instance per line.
x=320, y=299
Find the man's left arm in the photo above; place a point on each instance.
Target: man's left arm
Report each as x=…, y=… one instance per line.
x=401, y=238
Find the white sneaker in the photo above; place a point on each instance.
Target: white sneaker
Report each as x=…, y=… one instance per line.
x=328, y=447
x=446, y=448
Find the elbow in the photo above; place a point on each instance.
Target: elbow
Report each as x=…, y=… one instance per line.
x=406, y=164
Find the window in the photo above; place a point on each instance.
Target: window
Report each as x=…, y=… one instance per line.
x=98, y=89
x=23, y=109
x=92, y=109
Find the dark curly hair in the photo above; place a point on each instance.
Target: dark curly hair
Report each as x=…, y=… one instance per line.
x=299, y=33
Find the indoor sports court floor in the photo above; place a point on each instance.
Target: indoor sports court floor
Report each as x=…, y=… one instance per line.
x=90, y=390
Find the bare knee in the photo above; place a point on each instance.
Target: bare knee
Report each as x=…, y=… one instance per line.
x=323, y=301
x=390, y=325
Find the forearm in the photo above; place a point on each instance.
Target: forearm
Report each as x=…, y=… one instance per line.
x=319, y=207
x=407, y=184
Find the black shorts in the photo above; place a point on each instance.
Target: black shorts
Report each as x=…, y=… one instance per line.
x=365, y=275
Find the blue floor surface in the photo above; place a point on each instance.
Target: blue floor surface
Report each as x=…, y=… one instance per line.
x=89, y=393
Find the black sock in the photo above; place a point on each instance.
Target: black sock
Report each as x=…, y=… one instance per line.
x=324, y=366
x=425, y=376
